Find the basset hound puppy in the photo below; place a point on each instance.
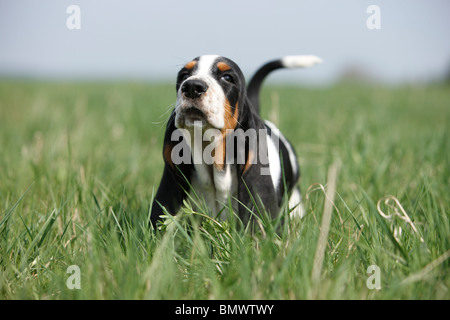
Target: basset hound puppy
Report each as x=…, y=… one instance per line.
x=217, y=149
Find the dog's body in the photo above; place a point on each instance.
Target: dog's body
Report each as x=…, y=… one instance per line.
x=256, y=170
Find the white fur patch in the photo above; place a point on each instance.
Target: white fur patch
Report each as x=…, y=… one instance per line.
x=292, y=157
x=226, y=183
x=295, y=201
x=274, y=162
x=302, y=61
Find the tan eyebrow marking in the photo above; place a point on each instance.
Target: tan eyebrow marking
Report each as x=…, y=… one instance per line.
x=190, y=65
x=222, y=66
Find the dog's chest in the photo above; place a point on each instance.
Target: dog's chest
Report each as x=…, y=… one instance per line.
x=215, y=187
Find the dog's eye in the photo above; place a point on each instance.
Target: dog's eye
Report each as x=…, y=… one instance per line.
x=228, y=78
x=184, y=76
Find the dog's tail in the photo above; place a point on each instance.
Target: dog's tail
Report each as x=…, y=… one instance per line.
x=256, y=81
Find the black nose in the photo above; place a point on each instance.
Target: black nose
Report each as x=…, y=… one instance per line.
x=194, y=88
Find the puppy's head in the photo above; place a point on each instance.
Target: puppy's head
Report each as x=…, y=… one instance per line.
x=210, y=92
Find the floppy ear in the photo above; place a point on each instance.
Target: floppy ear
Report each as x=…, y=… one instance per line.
x=255, y=189
x=175, y=179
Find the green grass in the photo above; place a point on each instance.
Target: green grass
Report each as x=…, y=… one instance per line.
x=79, y=164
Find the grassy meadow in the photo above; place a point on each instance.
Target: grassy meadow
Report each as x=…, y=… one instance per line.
x=80, y=162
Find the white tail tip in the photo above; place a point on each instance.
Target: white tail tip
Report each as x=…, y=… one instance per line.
x=303, y=61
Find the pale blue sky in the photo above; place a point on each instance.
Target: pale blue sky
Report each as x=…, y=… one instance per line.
x=139, y=39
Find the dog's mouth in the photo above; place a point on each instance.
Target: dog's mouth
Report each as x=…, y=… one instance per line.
x=194, y=116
